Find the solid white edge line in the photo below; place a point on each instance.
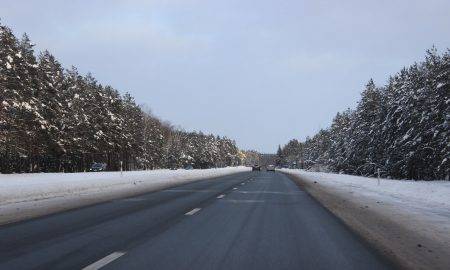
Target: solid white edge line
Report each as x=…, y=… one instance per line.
x=193, y=211
x=220, y=196
x=104, y=261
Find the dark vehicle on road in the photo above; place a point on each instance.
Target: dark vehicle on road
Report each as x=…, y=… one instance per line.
x=256, y=168
x=98, y=167
x=270, y=168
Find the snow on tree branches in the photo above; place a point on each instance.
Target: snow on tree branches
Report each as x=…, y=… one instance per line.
x=52, y=119
x=401, y=129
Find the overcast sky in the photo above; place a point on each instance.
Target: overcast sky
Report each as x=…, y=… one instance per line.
x=260, y=72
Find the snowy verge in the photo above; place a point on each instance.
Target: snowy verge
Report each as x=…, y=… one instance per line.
x=407, y=221
x=24, y=196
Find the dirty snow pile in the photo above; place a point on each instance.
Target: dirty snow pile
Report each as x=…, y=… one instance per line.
x=41, y=193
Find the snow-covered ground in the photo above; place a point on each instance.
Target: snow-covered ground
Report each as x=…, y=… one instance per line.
x=410, y=219
x=30, y=195
x=408, y=193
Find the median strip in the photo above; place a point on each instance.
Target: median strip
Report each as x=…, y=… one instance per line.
x=104, y=261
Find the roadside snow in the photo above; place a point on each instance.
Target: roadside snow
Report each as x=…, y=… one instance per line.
x=427, y=202
x=419, y=194
x=409, y=218
x=30, y=195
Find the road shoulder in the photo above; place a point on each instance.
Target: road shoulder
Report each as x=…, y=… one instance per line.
x=384, y=230
x=35, y=195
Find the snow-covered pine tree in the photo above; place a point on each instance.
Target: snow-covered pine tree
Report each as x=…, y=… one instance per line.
x=402, y=128
x=113, y=126
x=77, y=122
x=133, y=145
x=441, y=118
x=365, y=140
x=154, y=142
x=340, y=134
x=18, y=103
x=58, y=120
x=52, y=109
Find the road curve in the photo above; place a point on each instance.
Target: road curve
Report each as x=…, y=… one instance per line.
x=250, y=220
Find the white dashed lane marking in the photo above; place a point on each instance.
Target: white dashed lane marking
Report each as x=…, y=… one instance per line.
x=189, y=190
x=193, y=211
x=243, y=201
x=220, y=196
x=104, y=261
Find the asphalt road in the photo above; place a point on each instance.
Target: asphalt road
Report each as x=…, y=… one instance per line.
x=251, y=220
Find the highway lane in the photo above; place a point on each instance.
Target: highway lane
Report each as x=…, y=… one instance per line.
x=251, y=220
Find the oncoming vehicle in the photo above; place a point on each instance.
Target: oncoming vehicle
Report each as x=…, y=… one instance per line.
x=270, y=168
x=256, y=168
x=98, y=167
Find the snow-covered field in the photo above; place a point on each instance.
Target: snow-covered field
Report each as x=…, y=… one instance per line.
x=29, y=195
x=410, y=219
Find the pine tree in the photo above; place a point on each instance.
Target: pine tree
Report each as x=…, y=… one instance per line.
x=53, y=119
x=52, y=109
x=401, y=129
x=19, y=106
x=364, y=141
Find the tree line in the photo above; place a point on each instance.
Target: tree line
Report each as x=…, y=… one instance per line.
x=56, y=120
x=400, y=130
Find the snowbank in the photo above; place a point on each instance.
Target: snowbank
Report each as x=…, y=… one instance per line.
x=29, y=195
x=414, y=194
x=408, y=221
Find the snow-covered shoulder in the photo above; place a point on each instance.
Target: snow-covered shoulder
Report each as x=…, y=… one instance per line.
x=29, y=195
x=410, y=192
x=408, y=221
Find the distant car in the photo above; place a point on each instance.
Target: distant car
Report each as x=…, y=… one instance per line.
x=256, y=168
x=98, y=167
x=270, y=168
x=188, y=167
